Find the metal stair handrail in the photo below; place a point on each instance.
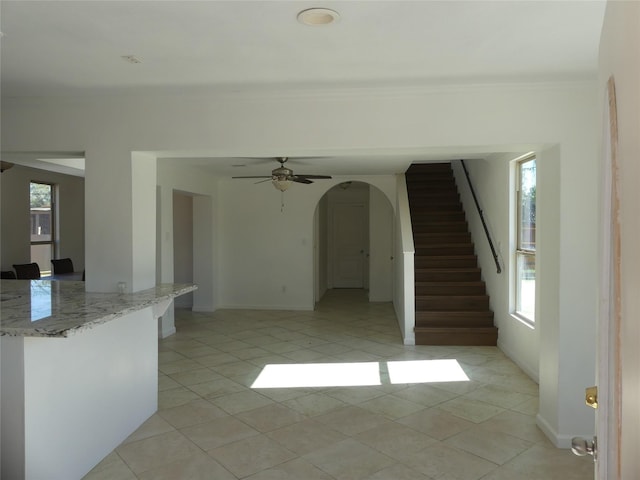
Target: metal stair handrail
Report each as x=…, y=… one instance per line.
x=484, y=224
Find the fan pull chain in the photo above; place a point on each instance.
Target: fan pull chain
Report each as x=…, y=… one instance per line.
x=281, y=202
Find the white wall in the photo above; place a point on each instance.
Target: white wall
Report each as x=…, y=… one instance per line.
x=491, y=181
x=542, y=350
x=321, y=238
x=254, y=239
x=268, y=256
x=15, y=221
x=202, y=188
x=620, y=57
x=381, y=247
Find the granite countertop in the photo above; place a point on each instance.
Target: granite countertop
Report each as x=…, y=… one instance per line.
x=45, y=308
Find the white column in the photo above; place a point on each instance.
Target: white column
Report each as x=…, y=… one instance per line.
x=120, y=233
x=567, y=331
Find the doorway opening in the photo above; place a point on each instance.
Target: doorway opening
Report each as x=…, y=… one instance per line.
x=353, y=247
x=183, y=245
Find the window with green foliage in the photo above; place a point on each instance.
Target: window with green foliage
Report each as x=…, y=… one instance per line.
x=525, y=253
x=42, y=225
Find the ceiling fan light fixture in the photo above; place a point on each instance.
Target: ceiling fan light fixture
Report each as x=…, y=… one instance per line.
x=318, y=16
x=281, y=184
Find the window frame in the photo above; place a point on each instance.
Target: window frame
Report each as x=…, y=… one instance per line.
x=520, y=251
x=45, y=269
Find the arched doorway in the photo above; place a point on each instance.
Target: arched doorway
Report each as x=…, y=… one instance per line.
x=353, y=247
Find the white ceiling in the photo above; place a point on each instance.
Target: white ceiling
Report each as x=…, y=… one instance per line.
x=76, y=48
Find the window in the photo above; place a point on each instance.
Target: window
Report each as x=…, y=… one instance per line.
x=525, y=252
x=42, y=225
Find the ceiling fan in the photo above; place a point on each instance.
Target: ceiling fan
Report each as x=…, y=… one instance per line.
x=282, y=177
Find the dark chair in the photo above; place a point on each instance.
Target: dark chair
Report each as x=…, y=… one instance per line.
x=8, y=275
x=27, y=271
x=62, y=265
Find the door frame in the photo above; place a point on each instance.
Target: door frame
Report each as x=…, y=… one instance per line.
x=608, y=373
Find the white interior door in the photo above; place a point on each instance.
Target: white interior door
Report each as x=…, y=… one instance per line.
x=349, y=232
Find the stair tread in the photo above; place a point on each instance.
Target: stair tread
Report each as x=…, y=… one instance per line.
x=442, y=234
x=455, y=313
x=446, y=256
x=449, y=269
x=420, y=221
x=480, y=295
x=454, y=329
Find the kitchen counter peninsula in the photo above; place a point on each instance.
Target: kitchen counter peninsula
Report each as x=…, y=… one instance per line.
x=79, y=373
x=49, y=308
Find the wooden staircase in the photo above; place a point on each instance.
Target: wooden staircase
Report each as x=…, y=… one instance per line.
x=452, y=306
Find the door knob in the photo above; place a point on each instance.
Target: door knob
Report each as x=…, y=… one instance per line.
x=582, y=447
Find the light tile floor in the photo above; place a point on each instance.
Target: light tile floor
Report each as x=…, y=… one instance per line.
x=211, y=424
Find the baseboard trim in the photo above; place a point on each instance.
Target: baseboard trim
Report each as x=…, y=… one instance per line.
x=203, y=308
x=560, y=441
x=514, y=358
x=266, y=307
x=166, y=333
x=409, y=339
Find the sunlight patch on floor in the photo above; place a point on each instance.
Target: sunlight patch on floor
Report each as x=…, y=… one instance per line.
x=426, y=371
x=358, y=374
x=318, y=375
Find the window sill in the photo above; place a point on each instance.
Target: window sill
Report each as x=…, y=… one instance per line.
x=524, y=320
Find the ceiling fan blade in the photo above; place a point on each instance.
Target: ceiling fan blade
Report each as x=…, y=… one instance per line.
x=262, y=181
x=316, y=177
x=300, y=179
x=259, y=176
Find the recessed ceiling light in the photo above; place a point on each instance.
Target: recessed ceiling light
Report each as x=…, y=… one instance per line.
x=318, y=16
x=131, y=59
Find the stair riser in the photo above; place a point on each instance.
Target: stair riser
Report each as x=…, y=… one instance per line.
x=445, y=338
x=453, y=303
x=453, y=276
x=440, y=238
x=432, y=177
x=450, y=227
x=421, y=191
x=439, y=217
x=445, y=218
x=443, y=207
x=432, y=166
x=451, y=289
x=434, y=194
x=445, y=262
x=436, y=250
x=427, y=202
x=427, y=176
x=432, y=189
x=457, y=323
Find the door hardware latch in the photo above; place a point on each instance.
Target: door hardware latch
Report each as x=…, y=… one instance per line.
x=591, y=397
